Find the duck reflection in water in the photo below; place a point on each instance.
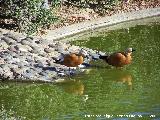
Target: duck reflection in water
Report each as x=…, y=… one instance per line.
x=124, y=77
x=73, y=87
x=118, y=76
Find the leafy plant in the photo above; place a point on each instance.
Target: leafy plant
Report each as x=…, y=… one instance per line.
x=31, y=14
x=98, y=6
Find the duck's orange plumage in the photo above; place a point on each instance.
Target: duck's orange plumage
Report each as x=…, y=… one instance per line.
x=119, y=59
x=72, y=60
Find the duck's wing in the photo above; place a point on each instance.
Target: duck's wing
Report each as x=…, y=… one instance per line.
x=116, y=59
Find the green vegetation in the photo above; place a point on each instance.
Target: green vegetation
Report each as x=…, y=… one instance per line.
x=30, y=14
x=99, y=6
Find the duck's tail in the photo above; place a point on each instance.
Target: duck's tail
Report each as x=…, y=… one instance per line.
x=104, y=57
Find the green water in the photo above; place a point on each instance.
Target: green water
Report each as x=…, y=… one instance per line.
x=102, y=91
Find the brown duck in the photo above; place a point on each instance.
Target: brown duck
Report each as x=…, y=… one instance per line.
x=119, y=59
x=72, y=59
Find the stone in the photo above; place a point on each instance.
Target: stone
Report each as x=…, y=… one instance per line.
x=36, y=49
x=49, y=50
x=61, y=46
x=22, y=48
x=73, y=48
x=2, y=61
x=13, y=36
x=25, y=42
x=52, y=45
x=29, y=76
x=3, y=45
x=29, y=39
x=8, y=40
x=12, y=48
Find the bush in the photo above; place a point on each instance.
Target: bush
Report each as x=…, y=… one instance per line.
x=99, y=6
x=31, y=14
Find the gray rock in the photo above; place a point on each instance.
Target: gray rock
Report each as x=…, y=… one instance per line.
x=36, y=49
x=12, y=48
x=52, y=45
x=38, y=70
x=23, y=48
x=49, y=50
x=6, y=67
x=8, y=40
x=29, y=39
x=20, y=65
x=2, y=61
x=3, y=45
x=25, y=42
x=13, y=36
x=30, y=76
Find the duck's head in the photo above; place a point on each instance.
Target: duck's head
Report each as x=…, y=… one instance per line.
x=130, y=50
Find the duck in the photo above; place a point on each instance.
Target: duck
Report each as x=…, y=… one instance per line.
x=119, y=59
x=72, y=59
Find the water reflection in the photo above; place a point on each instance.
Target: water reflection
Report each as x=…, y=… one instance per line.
x=118, y=76
x=72, y=86
x=125, y=78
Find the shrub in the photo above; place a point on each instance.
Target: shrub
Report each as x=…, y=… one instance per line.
x=31, y=14
x=99, y=6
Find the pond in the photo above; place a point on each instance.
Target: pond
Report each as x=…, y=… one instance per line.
x=102, y=92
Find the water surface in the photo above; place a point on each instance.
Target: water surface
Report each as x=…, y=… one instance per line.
x=103, y=92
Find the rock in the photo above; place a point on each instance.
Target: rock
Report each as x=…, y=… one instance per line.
x=5, y=67
x=25, y=42
x=13, y=36
x=51, y=73
x=3, y=45
x=50, y=62
x=36, y=49
x=52, y=45
x=8, y=40
x=23, y=48
x=37, y=69
x=16, y=60
x=20, y=65
x=49, y=50
x=29, y=76
x=73, y=48
x=2, y=61
x=61, y=46
x=12, y=48
x=29, y=39
x=16, y=75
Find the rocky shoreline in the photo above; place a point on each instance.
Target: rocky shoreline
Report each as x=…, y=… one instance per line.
x=33, y=59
